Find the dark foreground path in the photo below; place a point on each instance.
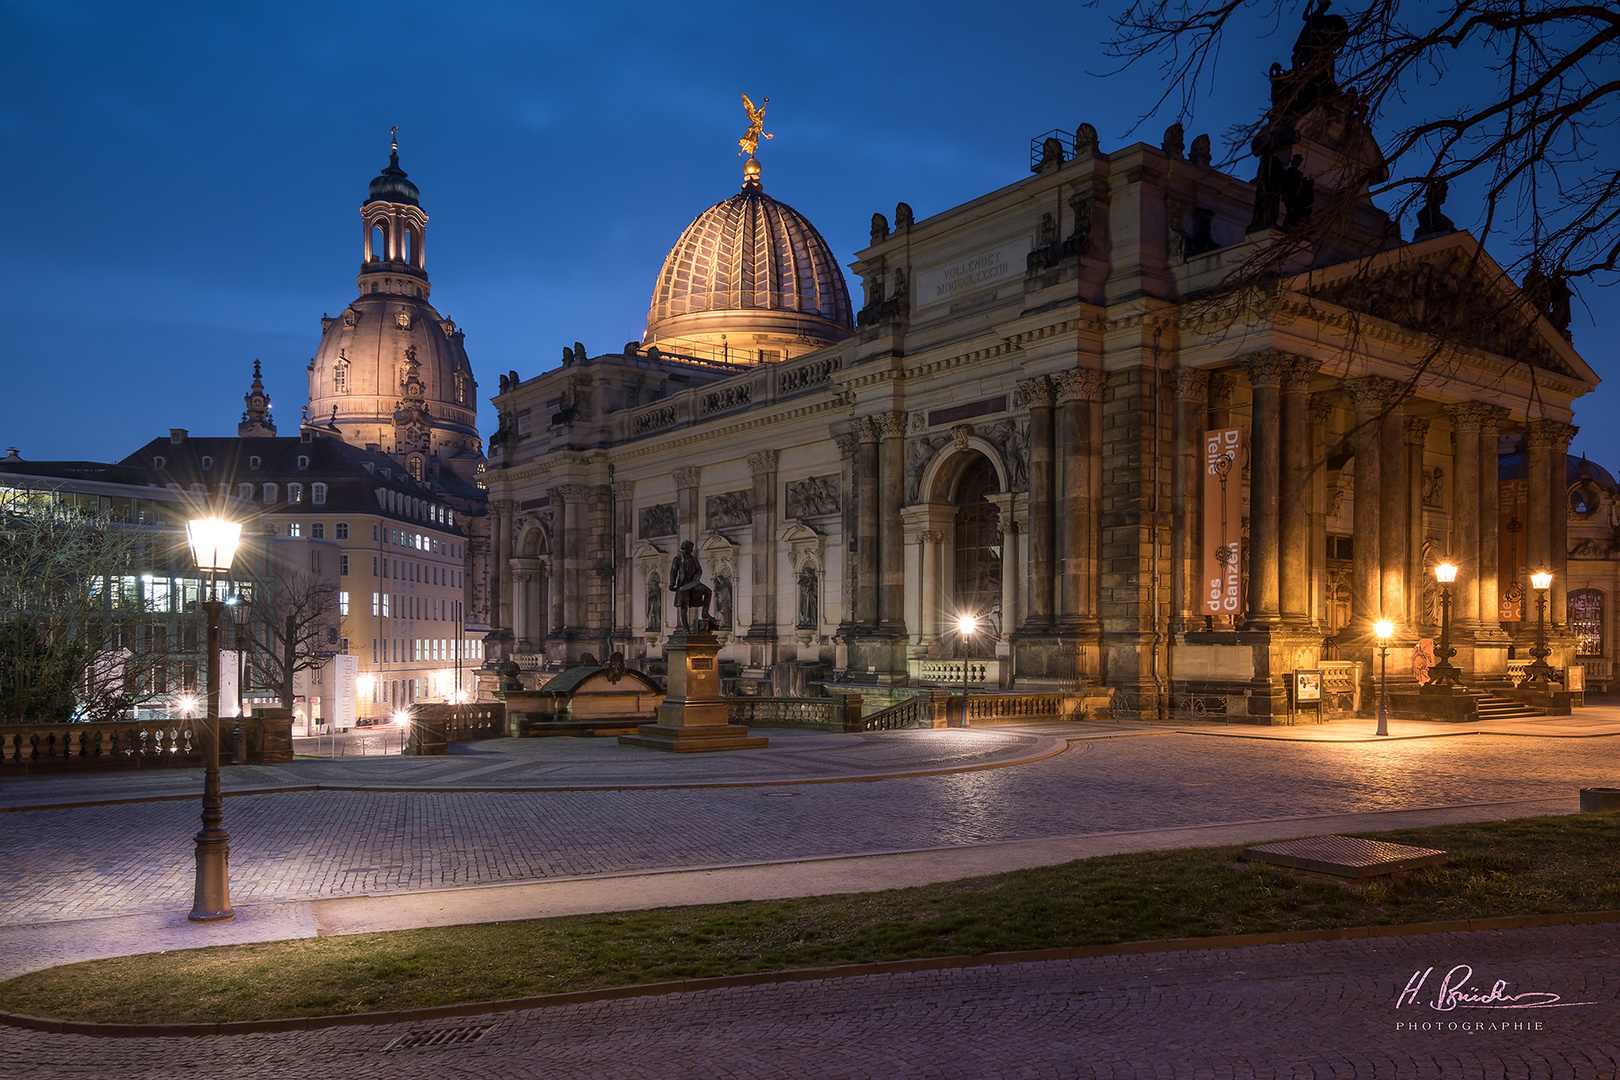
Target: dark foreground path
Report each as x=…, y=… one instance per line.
x=1324, y=1010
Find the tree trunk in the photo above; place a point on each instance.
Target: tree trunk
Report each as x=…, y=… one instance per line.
x=289, y=643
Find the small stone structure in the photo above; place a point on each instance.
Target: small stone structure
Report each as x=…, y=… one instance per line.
x=591, y=699
x=1347, y=857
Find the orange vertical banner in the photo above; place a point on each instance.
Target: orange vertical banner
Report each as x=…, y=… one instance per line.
x=1223, y=523
x=1513, y=516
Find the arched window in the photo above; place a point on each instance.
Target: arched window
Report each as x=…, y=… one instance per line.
x=416, y=466
x=1586, y=621
x=978, y=548
x=317, y=494
x=340, y=376
x=317, y=531
x=407, y=244
x=294, y=529
x=341, y=530
x=379, y=243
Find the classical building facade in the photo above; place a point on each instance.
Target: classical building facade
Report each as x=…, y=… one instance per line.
x=1052, y=412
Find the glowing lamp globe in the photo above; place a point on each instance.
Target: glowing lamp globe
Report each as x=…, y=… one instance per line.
x=1445, y=573
x=967, y=624
x=1384, y=629
x=1541, y=579
x=213, y=543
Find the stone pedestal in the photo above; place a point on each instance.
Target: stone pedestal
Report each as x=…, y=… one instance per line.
x=692, y=717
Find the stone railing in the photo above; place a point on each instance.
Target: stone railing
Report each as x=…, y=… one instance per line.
x=822, y=714
x=980, y=672
x=1016, y=708
x=529, y=661
x=1516, y=670
x=434, y=727
x=724, y=399
x=652, y=420
x=132, y=744
x=807, y=375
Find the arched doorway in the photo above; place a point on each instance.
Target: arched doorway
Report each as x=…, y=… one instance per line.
x=976, y=582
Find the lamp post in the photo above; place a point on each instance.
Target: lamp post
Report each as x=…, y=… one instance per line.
x=1540, y=672
x=1444, y=673
x=213, y=545
x=965, y=625
x=241, y=608
x=1383, y=629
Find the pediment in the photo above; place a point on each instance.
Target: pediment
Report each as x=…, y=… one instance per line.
x=1450, y=290
x=716, y=544
x=646, y=549
x=798, y=531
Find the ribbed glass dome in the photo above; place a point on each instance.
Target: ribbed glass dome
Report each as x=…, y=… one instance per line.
x=756, y=257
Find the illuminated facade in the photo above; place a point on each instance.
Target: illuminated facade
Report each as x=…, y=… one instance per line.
x=1016, y=425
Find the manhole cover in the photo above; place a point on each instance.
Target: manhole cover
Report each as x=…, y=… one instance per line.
x=1345, y=856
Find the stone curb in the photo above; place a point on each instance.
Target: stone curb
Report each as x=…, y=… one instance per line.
x=686, y=986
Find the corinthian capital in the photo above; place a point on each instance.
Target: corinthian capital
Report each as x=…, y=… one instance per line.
x=1037, y=393
x=685, y=478
x=1416, y=429
x=1553, y=434
x=764, y=461
x=1076, y=384
x=1372, y=393
x=891, y=425
x=1268, y=368
x=1190, y=384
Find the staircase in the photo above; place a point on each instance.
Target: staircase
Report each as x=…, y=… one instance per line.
x=1491, y=707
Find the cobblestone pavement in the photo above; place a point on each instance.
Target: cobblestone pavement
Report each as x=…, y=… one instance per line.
x=65, y=864
x=1321, y=1010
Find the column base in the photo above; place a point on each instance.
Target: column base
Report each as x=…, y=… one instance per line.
x=878, y=659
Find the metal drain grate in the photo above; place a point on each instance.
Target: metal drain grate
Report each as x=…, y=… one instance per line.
x=437, y=1038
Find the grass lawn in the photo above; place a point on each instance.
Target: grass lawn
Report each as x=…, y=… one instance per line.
x=1530, y=866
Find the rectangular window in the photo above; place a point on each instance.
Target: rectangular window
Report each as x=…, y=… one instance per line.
x=270, y=491
x=341, y=530
x=295, y=493
x=385, y=606
x=317, y=530
x=343, y=603
x=374, y=531
x=374, y=660
x=317, y=494
x=343, y=565
x=295, y=529
x=244, y=492
x=374, y=566
x=376, y=604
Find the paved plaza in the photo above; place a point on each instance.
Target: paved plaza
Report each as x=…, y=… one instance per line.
x=102, y=865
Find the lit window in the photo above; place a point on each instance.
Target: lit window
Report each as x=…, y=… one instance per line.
x=341, y=531
x=343, y=603
x=295, y=493
x=294, y=529
x=376, y=604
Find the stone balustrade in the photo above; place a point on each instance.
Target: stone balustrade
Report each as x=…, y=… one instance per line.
x=822, y=714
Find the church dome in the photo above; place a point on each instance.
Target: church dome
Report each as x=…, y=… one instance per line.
x=392, y=185
x=753, y=269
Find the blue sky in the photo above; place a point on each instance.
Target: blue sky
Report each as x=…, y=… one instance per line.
x=179, y=183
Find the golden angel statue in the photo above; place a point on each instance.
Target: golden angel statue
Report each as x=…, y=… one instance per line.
x=756, y=127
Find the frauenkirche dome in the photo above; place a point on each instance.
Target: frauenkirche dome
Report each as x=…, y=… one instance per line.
x=749, y=280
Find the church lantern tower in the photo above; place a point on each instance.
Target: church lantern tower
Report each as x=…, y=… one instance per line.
x=391, y=372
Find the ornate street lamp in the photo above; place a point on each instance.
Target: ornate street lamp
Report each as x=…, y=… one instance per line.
x=1383, y=628
x=213, y=545
x=1444, y=673
x=1540, y=672
x=965, y=625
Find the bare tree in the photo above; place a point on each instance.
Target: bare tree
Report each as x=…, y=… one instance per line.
x=82, y=635
x=295, y=625
x=1537, y=139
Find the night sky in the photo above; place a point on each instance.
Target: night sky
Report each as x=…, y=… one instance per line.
x=179, y=183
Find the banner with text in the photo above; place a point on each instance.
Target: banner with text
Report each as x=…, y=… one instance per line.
x=1223, y=523
x=1513, y=514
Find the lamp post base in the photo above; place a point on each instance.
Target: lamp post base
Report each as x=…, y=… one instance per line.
x=212, y=899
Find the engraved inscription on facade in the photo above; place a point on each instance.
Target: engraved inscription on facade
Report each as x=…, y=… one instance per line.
x=975, y=273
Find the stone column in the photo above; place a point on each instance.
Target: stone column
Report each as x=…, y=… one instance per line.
x=1559, y=435
x=1368, y=393
x=1322, y=406
x=624, y=587
x=1465, y=514
x=1539, y=437
x=500, y=542
x=520, y=604
x=866, y=528
x=1038, y=392
x=932, y=543
x=849, y=498
x=1491, y=417
x=1077, y=390
x=1393, y=512
x=1190, y=387
x=688, y=525
x=1415, y=430
x=1296, y=466
x=892, y=541
x=1011, y=571
x=559, y=564
x=1266, y=372
x=573, y=563
x=762, y=599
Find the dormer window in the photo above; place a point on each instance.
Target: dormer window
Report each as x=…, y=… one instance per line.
x=253, y=462
x=159, y=462
x=244, y=492
x=207, y=463
x=270, y=494
x=303, y=462
x=295, y=493
x=317, y=494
